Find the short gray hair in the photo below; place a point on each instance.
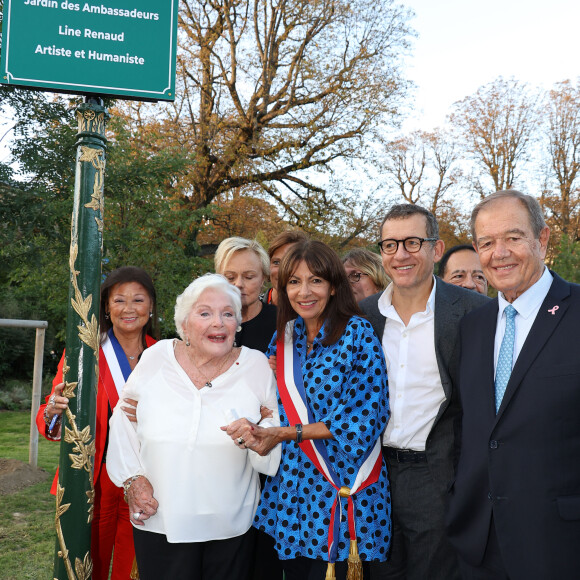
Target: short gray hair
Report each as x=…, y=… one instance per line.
x=187, y=300
x=404, y=210
x=230, y=246
x=537, y=221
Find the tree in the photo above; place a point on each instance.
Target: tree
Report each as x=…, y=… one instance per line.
x=423, y=167
x=567, y=260
x=405, y=166
x=495, y=127
x=271, y=91
x=562, y=114
x=236, y=213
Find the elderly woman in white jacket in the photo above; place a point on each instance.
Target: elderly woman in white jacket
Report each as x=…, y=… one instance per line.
x=192, y=492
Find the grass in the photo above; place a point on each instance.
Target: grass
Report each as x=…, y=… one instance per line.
x=27, y=537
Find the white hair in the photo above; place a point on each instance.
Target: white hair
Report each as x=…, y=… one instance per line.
x=230, y=246
x=187, y=300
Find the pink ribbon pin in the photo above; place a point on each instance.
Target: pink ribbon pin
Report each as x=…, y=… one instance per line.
x=552, y=311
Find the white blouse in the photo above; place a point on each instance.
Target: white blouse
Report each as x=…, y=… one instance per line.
x=206, y=486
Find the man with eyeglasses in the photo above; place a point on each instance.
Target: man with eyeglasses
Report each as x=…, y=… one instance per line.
x=417, y=319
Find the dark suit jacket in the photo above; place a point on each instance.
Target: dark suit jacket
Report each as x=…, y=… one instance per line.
x=451, y=304
x=523, y=464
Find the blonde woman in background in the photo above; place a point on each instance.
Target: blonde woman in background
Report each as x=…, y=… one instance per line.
x=246, y=265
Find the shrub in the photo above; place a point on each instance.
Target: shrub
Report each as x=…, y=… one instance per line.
x=16, y=396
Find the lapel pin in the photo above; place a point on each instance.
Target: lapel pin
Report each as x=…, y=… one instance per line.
x=552, y=311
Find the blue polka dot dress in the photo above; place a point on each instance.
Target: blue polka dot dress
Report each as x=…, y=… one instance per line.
x=346, y=387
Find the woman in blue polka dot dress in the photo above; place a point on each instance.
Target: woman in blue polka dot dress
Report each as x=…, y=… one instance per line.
x=345, y=383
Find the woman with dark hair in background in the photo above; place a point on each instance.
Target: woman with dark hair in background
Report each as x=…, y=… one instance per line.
x=127, y=318
x=277, y=250
x=332, y=387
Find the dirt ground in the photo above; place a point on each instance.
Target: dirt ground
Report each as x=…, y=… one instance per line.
x=16, y=475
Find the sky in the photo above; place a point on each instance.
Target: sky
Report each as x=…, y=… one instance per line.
x=464, y=44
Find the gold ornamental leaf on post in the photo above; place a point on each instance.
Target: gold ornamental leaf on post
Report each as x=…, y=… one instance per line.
x=84, y=568
x=69, y=390
x=82, y=307
x=91, y=501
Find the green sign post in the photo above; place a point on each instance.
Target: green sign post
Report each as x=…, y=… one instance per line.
x=75, y=496
x=125, y=48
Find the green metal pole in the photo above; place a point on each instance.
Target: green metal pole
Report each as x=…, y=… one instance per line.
x=76, y=493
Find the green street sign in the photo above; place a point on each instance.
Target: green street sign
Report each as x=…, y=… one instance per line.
x=116, y=47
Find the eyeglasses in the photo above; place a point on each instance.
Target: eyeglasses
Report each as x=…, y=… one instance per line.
x=354, y=277
x=411, y=245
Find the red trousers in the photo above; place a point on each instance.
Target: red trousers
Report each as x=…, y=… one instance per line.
x=112, y=532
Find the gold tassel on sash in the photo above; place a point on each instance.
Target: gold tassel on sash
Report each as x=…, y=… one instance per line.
x=355, y=571
x=330, y=572
x=134, y=570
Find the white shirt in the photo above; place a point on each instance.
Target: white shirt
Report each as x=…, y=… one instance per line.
x=527, y=305
x=415, y=390
x=206, y=486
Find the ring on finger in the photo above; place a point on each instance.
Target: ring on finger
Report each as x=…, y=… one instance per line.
x=240, y=440
x=137, y=515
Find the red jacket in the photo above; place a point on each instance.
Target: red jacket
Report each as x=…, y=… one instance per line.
x=102, y=419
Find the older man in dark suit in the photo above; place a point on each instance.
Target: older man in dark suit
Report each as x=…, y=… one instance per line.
x=417, y=319
x=515, y=504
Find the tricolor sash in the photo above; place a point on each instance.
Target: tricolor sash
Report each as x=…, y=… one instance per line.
x=293, y=396
x=118, y=366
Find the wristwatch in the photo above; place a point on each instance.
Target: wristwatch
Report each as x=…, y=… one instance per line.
x=298, y=432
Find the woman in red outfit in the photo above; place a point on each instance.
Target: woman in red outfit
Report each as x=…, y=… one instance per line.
x=127, y=316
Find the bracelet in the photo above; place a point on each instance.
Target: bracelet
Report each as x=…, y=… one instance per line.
x=298, y=433
x=48, y=420
x=51, y=423
x=128, y=484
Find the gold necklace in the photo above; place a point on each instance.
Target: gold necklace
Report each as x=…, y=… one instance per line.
x=208, y=382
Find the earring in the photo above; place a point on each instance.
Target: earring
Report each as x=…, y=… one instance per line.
x=151, y=315
x=239, y=329
x=107, y=316
x=187, y=343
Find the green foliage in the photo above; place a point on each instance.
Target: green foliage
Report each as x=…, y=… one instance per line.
x=147, y=223
x=567, y=261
